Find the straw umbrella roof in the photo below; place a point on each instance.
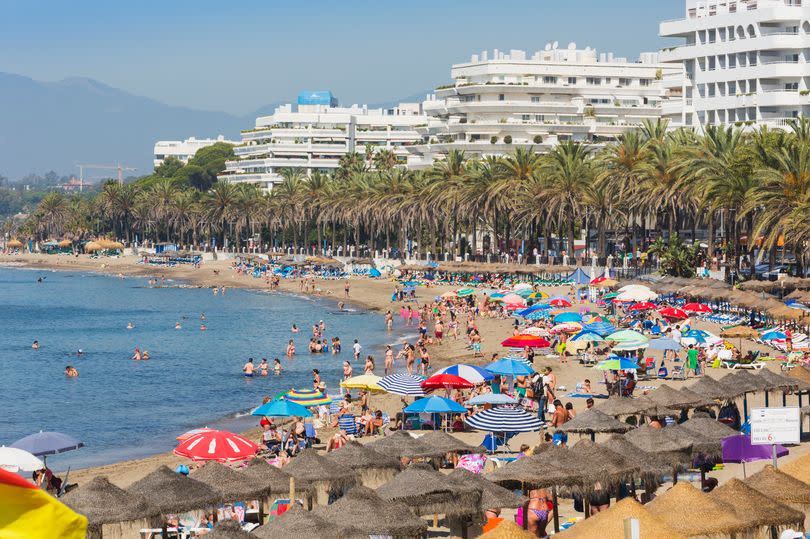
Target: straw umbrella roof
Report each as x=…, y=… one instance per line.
x=625, y=406
x=708, y=427
x=798, y=468
x=779, y=486
x=672, y=398
x=492, y=496
x=710, y=388
x=610, y=523
x=172, y=492
x=298, y=523
x=778, y=381
x=361, y=513
x=702, y=446
x=276, y=479
x=743, y=381
x=438, y=440
x=428, y=492
x=401, y=444
x=593, y=421
x=356, y=456
x=228, y=529
x=233, y=485
x=673, y=450
x=507, y=530
x=689, y=511
x=754, y=508
x=103, y=503
x=598, y=463
x=310, y=466
x=800, y=373
x=650, y=465
x=14, y=243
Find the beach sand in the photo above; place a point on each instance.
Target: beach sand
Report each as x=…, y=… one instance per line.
x=374, y=295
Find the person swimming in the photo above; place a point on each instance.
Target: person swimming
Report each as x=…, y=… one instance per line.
x=130, y=325
x=145, y=356
x=35, y=345
x=276, y=367
x=177, y=325
x=248, y=368
x=71, y=372
x=202, y=316
x=137, y=355
x=203, y=327
x=294, y=328
x=79, y=352
x=263, y=366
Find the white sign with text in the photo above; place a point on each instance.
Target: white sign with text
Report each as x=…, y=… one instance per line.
x=771, y=426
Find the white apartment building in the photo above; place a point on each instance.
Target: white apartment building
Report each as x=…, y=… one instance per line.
x=743, y=62
x=501, y=100
x=317, y=134
x=183, y=149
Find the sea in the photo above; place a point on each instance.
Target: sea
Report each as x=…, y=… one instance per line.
x=124, y=409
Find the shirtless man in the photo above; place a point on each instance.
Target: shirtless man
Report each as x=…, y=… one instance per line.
x=248, y=368
x=560, y=416
x=438, y=330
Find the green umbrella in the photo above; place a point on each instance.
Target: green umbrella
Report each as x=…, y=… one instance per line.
x=464, y=292
x=627, y=335
x=610, y=296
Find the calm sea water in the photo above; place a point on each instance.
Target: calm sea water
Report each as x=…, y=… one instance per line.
x=126, y=409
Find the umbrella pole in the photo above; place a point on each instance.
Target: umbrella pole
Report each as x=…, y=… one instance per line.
x=767, y=404
x=556, y=509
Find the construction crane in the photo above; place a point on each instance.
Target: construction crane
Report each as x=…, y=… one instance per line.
x=117, y=167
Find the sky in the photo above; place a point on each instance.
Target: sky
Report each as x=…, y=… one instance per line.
x=236, y=56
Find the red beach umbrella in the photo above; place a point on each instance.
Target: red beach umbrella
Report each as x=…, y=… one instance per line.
x=697, y=308
x=219, y=445
x=672, y=312
x=193, y=432
x=521, y=341
x=642, y=306
x=560, y=302
x=444, y=381
x=599, y=280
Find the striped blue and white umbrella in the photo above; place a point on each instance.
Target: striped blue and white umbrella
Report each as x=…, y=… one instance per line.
x=504, y=419
x=471, y=373
x=403, y=384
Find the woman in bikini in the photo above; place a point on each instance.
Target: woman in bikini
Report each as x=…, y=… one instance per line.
x=540, y=511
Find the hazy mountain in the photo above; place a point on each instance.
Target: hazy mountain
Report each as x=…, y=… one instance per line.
x=55, y=125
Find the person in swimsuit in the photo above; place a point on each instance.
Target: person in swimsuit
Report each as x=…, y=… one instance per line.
x=389, y=359
x=145, y=355
x=438, y=330
x=347, y=370
x=369, y=367
x=35, y=345
x=316, y=378
x=248, y=368
x=71, y=372
x=294, y=328
x=203, y=327
x=276, y=367
x=540, y=510
x=263, y=367
x=389, y=321
x=137, y=355
x=177, y=325
x=130, y=325
x=290, y=348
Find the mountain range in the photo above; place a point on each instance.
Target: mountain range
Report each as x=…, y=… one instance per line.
x=56, y=125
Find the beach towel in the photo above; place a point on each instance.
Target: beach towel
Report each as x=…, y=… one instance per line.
x=472, y=463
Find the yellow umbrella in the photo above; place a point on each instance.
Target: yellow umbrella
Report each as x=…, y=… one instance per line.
x=369, y=382
x=608, y=283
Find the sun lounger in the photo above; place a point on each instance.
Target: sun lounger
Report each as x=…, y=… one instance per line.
x=756, y=365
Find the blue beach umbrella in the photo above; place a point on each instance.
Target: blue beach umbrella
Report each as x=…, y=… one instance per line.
x=281, y=408
x=47, y=443
x=491, y=398
x=774, y=336
x=588, y=336
x=471, y=373
x=537, y=315
x=696, y=334
x=403, y=384
x=616, y=363
x=509, y=367
x=601, y=328
x=435, y=405
x=567, y=317
x=663, y=344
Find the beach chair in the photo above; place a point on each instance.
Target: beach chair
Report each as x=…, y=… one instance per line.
x=678, y=373
x=348, y=423
x=493, y=441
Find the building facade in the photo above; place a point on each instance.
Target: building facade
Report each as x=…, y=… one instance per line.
x=183, y=149
x=743, y=62
x=317, y=134
x=499, y=101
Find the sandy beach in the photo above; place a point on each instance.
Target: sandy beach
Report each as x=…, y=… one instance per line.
x=369, y=294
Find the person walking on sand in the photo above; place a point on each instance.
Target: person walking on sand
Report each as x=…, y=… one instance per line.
x=346, y=288
x=438, y=330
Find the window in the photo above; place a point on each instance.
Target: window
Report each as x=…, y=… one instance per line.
x=572, y=80
x=535, y=99
x=593, y=81
x=500, y=97
x=645, y=82
x=624, y=82
x=549, y=80
x=526, y=117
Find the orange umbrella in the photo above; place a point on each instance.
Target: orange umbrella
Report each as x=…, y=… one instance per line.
x=521, y=341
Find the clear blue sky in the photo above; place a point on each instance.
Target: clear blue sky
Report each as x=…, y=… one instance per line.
x=238, y=55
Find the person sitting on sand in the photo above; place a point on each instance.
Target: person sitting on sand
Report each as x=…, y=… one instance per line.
x=71, y=372
x=248, y=368
x=137, y=355
x=337, y=441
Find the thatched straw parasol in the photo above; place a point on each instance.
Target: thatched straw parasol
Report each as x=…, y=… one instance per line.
x=373, y=468
x=172, y=492
x=111, y=511
x=401, y=444
x=650, y=465
x=297, y=523
x=438, y=440
x=610, y=523
x=361, y=513
x=754, y=508
x=232, y=485
x=781, y=487
x=703, y=447
x=427, y=492
x=798, y=468
x=492, y=496
x=710, y=388
x=800, y=373
x=276, y=479
x=708, y=428
x=14, y=244
x=626, y=406
x=92, y=246
x=598, y=463
x=742, y=382
x=676, y=452
x=325, y=475
x=228, y=529
x=778, y=381
x=507, y=530
x=65, y=243
x=689, y=511
x=593, y=421
x=669, y=397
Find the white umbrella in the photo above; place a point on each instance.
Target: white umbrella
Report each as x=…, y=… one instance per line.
x=634, y=287
x=522, y=286
x=636, y=294
x=15, y=460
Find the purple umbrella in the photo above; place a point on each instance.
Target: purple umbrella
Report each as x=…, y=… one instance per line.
x=47, y=443
x=739, y=449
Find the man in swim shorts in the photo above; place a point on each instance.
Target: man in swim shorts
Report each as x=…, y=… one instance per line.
x=248, y=368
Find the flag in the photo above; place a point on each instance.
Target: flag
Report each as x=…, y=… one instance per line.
x=26, y=512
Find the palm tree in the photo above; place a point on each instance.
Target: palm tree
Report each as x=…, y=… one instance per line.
x=385, y=159
x=161, y=199
x=219, y=204
x=53, y=210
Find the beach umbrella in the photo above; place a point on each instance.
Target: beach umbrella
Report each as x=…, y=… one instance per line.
x=400, y=444
x=755, y=509
x=307, y=397
x=709, y=428
x=372, y=467
x=663, y=443
x=669, y=397
x=560, y=301
x=172, y=492
x=626, y=335
x=537, y=295
x=192, y=432
x=233, y=485
x=228, y=529
x=738, y=448
x=629, y=346
x=611, y=295
x=471, y=373
x=325, y=475
x=697, y=334
x=674, y=313
x=531, y=309
x=629, y=287
x=663, y=343
x=403, y=384
x=535, y=331
x=464, y=292
x=524, y=292
x=362, y=513
x=740, y=332
x=509, y=367
x=497, y=296
x=440, y=441
x=636, y=294
x=504, y=419
x=428, y=492
x=492, y=496
x=642, y=306
x=434, y=405
x=277, y=480
x=697, y=308
x=567, y=317
x=626, y=406
x=369, y=382
x=611, y=523
x=491, y=398
x=774, y=336
x=566, y=327
x=710, y=388
x=616, y=363
x=219, y=445
x=18, y=460
x=513, y=299
x=448, y=295
x=779, y=486
x=536, y=315
x=521, y=341
x=593, y=421
x=446, y=381
x=602, y=328
x=523, y=286
x=47, y=443
x=299, y=523
x=692, y=513
x=587, y=336
x=281, y=408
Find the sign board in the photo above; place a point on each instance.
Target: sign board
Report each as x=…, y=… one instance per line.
x=771, y=426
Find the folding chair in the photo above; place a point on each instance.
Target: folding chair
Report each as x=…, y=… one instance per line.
x=347, y=423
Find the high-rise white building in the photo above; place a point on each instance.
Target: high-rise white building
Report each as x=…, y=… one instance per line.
x=743, y=62
x=317, y=134
x=500, y=100
x=183, y=149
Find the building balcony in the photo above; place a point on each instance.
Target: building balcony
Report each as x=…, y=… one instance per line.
x=705, y=21
x=273, y=147
x=768, y=69
x=767, y=42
